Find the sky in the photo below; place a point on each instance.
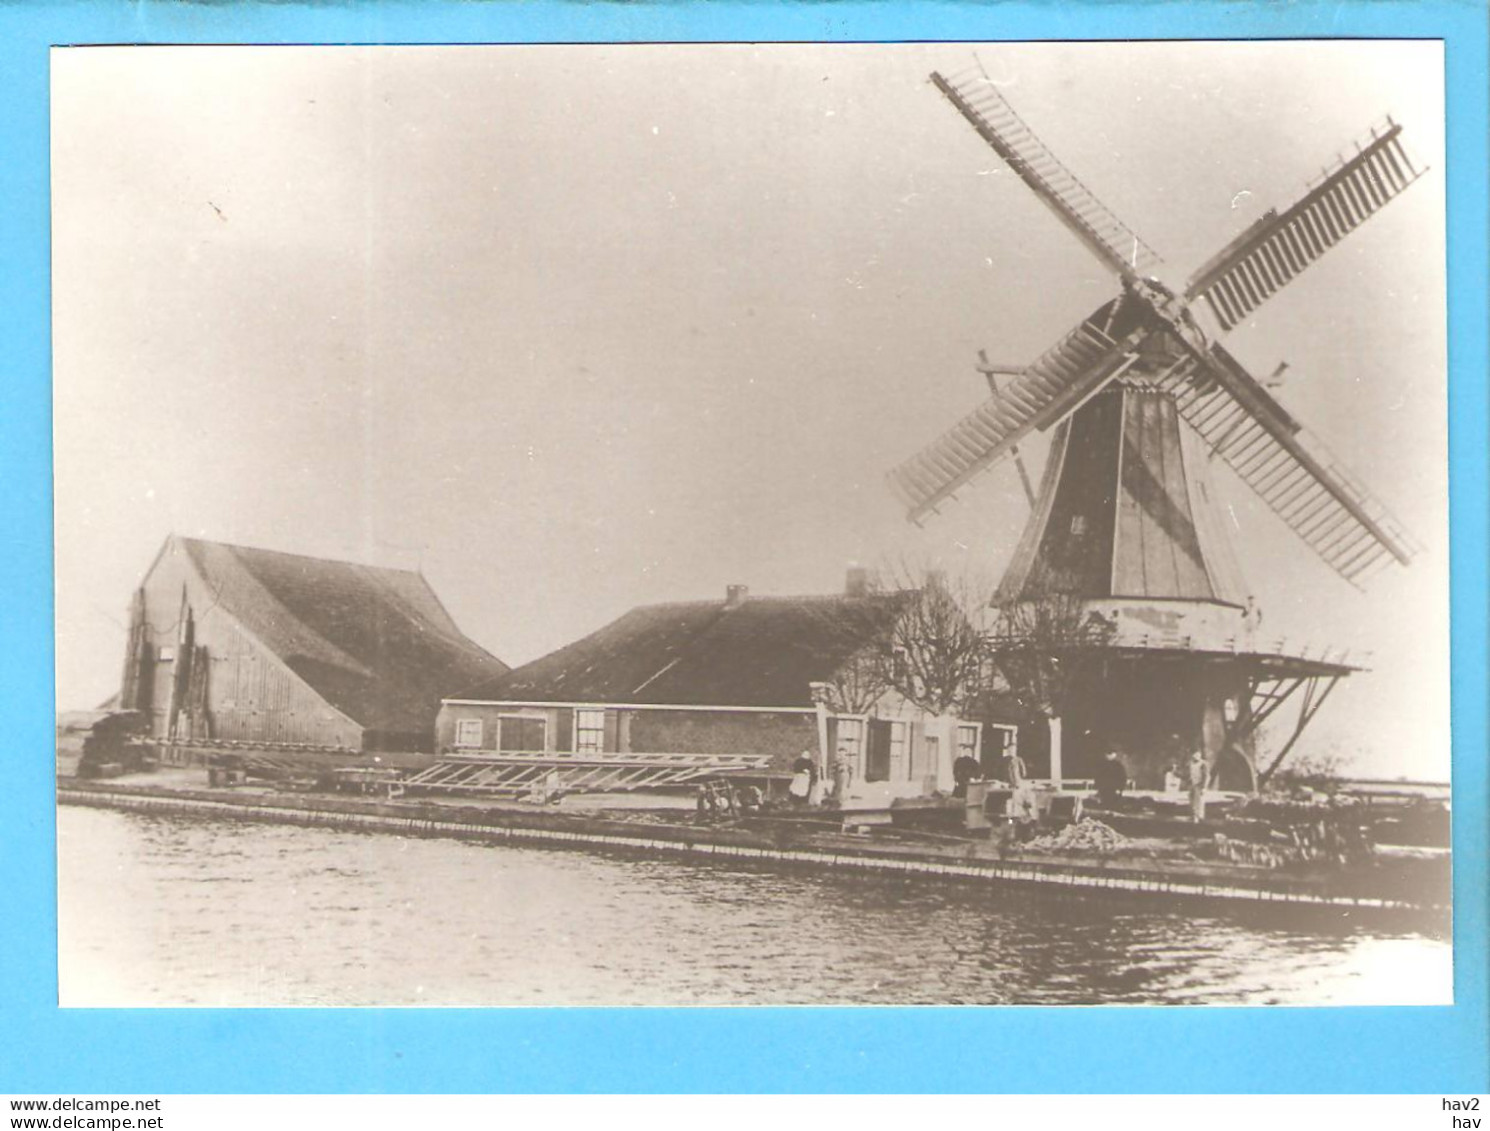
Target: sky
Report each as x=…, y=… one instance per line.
x=573, y=329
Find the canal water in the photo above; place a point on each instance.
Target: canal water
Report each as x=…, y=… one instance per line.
x=167, y=910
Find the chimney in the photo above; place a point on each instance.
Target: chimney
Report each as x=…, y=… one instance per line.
x=856, y=583
x=734, y=595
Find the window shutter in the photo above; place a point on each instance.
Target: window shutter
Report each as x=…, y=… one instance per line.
x=564, y=731
x=612, y=732
x=877, y=756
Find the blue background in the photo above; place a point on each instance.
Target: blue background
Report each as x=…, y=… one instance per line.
x=1023, y=1049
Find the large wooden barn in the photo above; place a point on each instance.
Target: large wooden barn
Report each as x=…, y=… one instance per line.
x=742, y=675
x=248, y=645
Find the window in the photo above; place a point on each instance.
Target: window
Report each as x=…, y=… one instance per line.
x=851, y=735
x=522, y=734
x=166, y=654
x=967, y=741
x=589, y=731
x=468, y=732
x=1001, y=738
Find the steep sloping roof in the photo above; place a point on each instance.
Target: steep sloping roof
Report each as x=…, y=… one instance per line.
x=375, y=643
x=763, y=652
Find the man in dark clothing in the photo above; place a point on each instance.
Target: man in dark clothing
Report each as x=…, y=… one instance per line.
x=1111, y=777
x=964, y=770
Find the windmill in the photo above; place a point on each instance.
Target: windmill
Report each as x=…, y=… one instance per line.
x=1140, y=401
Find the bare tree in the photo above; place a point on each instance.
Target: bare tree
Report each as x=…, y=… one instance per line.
x=1042, y=647
x=935, y=650
x=863, y=681
x=915, y=633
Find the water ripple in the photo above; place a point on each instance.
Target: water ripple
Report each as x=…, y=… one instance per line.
x=166, y=910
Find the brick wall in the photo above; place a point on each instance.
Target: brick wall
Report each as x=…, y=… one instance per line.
x=488, y=714
x=782, y=735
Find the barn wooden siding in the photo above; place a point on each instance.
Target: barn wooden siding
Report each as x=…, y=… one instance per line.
x=239, y=690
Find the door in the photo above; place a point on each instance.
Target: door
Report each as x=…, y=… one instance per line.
x=997, y=741
x=877, y=761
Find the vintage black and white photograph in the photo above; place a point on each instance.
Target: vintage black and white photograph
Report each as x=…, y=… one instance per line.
x=776, y=524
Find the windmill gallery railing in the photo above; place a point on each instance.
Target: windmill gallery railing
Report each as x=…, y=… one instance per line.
x=1242, y=646
x=549, y=774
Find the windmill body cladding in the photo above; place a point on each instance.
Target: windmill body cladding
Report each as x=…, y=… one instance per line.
x=1142, y=403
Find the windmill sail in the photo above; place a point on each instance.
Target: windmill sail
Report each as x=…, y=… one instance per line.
x=1228, y=409
x=1049, y=389
x=1290, y=470
x=1112, y=241
x=1269, y=255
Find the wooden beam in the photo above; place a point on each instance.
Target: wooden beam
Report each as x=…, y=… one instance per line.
x=1309, y=709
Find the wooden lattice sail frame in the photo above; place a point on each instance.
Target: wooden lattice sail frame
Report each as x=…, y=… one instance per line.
x=1329, y=508
x=1125, y=513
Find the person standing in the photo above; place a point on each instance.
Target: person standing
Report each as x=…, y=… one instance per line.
x=965, y=770
x=1013, y=768
x=804, y=776
x=1172, y=778
x=1111, y=778
x=1199, y=775
x=843, y=774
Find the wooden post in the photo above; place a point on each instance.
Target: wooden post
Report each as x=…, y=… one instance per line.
x=1309, y=708
x=822, y=738
x=130, y=697
x=180, y=668
x=820, y=693
x=1056, y=774
x=947, y=754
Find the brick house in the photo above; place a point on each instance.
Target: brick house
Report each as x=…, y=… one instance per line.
x=745, y=675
